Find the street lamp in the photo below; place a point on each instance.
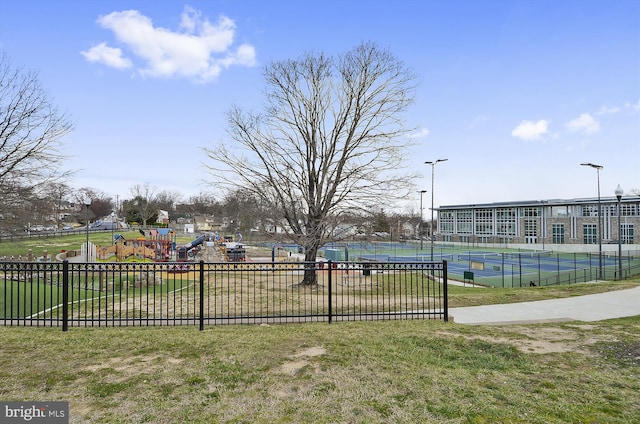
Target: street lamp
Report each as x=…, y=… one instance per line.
x=543, y=224
x=433, y=166
x=420, y=224
x=87, y=203
x=598, y=168
x=619, y=192
x=113, y=225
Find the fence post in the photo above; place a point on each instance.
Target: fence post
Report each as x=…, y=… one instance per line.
x=539, y=270
x=201, y=295
x=329, y=303
x=65, y=295
x=502, y=268
x=445, y=283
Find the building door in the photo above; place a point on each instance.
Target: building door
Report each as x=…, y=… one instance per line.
x=530, y=231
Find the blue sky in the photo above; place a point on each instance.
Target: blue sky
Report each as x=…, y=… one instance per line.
x=515, y=94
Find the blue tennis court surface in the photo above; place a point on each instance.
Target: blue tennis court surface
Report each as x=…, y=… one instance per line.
x=508, y=268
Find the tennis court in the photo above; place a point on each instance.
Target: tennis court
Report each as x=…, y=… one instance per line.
x=494, y=267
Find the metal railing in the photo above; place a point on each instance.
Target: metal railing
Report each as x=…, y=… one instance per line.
x=187, y=293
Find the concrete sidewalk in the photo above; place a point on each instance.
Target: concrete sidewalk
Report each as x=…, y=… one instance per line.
x=593, y=307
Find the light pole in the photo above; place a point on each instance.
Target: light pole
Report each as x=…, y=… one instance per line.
x=433, y=166
x=542, y=224
x=598, y=168
x=87, y=203
x=113, y=224
x=619, y=192
x=420, y=224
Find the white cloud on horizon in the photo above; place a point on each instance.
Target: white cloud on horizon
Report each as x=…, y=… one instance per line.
x=530, y=131
x=200, y=50
x=584, y=123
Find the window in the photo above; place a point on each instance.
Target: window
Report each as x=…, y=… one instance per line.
x=446, y=215
x=506, y=222
x=464, y=220
x=446, y=227
x=557, y=233
x=484, y=221
x=531, y=230
x=559, y=211
x=627, y=209
x=506, y=228
x=529, y=212
x=590, y=210
x=590, y=233
x=627, y=233
x=446, y=221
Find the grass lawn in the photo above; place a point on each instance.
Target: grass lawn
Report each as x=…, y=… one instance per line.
x=352, y=372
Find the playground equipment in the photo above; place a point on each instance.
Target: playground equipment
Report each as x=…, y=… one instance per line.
x=140, y=248
x=188, y=251
x=233, y=251
x=160, y=247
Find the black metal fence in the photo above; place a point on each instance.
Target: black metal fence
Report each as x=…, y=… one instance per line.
x=154, y=294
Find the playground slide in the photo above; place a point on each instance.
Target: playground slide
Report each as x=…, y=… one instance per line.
x=183, y=251
x=195, y=243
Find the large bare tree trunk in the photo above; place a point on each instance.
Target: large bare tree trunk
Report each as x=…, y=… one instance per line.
x=310, y=272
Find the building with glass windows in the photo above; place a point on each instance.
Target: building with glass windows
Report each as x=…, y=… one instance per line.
x=546, y=222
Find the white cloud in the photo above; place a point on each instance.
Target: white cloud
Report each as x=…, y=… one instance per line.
x=109, y=56
x=200, y=50
x=529, y=131
x=584, y=123
x=423, y=133
x=190, y=18
x=633, y=106
x=478, y=120
x=605, y=110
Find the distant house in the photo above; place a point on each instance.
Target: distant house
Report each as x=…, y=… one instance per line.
x=342, y=231
x=163, y=217
x=408, y=230
x=206, y=223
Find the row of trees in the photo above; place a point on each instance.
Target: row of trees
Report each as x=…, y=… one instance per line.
x=241, y=211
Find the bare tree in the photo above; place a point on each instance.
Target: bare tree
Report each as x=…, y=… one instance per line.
x=167, y=199
x=31, y=129
x=201, y=204
x=100, y=204
x=330, y=139
x=55, y=194
x=244, y=210
x=144, y=203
